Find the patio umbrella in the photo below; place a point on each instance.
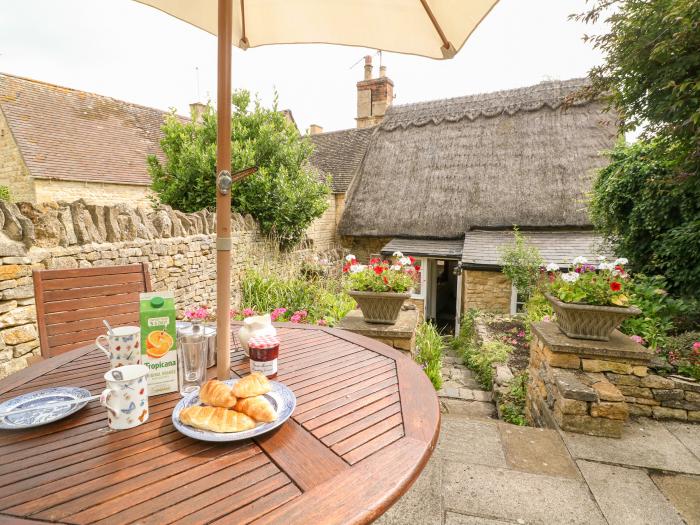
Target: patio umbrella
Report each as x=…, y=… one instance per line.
x=431, y=28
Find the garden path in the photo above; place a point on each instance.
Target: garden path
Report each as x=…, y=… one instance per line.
x=460, y=393
x=486, y=472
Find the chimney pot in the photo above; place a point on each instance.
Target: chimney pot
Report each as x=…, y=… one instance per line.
x=382, y=71
x=368, y=67
x=315, y=129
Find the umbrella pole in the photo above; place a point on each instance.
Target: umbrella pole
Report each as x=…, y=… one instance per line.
x=223, y=198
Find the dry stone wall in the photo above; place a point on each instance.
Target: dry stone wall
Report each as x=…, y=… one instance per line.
x=179, y=248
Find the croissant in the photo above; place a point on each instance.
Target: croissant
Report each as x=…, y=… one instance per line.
x=256, y=384
x=259, y=408
x=217, y=394
x=216, y=419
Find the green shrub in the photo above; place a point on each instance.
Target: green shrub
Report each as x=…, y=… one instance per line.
x=480, y=359
x=429, y=344
x=512, y=403
x=538, y=308
x=322, y=299
x=284, y=196
x=659, y=309
x=521, y=264
x=5, y=194
x=683, y=353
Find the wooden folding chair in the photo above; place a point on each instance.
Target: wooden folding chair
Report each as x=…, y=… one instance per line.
x=71, y=304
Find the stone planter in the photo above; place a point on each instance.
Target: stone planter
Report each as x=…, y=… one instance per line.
x=380, y=307
x=585, y=321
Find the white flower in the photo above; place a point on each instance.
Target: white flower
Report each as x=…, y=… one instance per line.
x=357, y=268
x=397, y=254
x=349, y=257
x=606, y=266
x=552, y=267
x=620, y=262
x=601, y=258
x=571, y=277
x=404, y=261
x=580, y=260
x=395, y=267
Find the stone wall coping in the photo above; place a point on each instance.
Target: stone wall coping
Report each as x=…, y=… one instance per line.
x=618, y=347
x=404, y=327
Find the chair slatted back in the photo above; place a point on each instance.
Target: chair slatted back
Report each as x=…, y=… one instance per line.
x=71, y=304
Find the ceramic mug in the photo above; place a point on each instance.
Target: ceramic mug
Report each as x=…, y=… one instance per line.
x=126, y=396
x=122, y=347
x=255, y=326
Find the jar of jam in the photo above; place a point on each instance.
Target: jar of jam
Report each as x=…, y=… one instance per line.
x=264, y=350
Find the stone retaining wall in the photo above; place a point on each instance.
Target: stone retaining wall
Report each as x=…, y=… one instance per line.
x=592, y=387
x=179, y=248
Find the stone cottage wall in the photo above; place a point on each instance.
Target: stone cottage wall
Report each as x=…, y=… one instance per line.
x=179, y=248
x=90, y=192
x=487, y=291
x=13, y=172
x=363, y=247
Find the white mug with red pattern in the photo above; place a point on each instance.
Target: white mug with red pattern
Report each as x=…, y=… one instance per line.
x=123, y=346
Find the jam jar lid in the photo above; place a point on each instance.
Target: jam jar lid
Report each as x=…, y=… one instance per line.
x=263, y=342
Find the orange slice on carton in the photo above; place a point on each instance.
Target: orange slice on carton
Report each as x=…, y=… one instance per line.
x=158, y=343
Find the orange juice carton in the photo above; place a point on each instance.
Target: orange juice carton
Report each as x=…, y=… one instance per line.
x=158, y=349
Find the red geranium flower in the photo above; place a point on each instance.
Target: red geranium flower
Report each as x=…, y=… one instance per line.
x=417, y=267
x=386, y=281
x=346, y=268
x=615, y=286
x=375, y=260
x=378, y=270
x=412, y=259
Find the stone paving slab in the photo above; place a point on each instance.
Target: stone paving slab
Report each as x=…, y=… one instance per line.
x=683, y=492
x=504, y=494
x=537, y=450
x=645, y=443
x=472, y=409
x=686, y=433
x=628, y=496
x=470, y=441
x=453, y=518
x=422, y=504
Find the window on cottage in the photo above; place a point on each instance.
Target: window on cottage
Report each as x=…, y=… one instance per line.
x=517, y=301
x=421, y=284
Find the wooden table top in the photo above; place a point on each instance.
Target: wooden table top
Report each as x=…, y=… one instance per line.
x=366, y=422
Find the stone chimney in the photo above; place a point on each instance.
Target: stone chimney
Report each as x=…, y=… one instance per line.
x=196, y=111
x=374, y=96
x=315, y=129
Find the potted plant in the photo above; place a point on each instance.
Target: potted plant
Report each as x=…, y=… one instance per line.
x=590, y=301
x=381, y=287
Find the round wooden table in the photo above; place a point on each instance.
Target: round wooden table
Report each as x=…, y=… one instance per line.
x=366, y=422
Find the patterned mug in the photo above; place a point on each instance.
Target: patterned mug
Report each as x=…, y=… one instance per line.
x=123, y=346
x=126, y=396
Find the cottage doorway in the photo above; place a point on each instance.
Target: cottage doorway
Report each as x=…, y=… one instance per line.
x=443, y=292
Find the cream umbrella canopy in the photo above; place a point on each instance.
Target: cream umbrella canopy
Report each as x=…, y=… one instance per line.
x=430, y=28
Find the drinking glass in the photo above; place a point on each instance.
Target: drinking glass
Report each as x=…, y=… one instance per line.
x=191, y=357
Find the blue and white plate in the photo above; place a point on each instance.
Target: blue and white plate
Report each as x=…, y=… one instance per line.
x=282, y=399
x=42, y=400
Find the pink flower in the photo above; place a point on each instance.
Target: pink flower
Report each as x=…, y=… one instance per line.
x=521, y=333
x=277, y=313
x=298, y=316
x=247, y=312
x=546, y=318
x=637, y=339
x=696, y=345
x=322, y=322
x=233, y=312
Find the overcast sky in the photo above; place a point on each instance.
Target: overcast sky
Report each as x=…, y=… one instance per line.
x=132, y=52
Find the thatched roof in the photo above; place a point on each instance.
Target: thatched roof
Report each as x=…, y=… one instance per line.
x=67, y=134
x=339, y=154
x=482, y=249
x=435, y=169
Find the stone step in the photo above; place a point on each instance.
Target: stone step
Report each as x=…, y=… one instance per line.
x=465, y=394
x=459, y=408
